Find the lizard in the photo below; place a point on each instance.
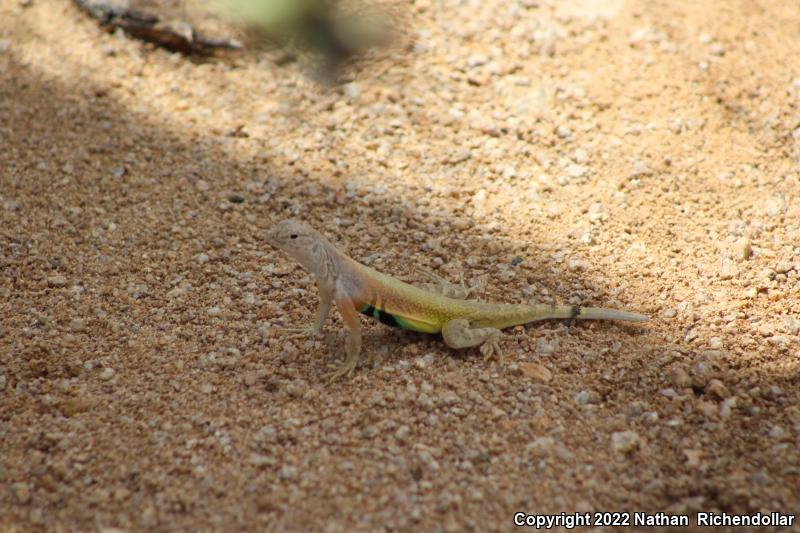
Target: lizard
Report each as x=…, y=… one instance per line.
x=440, y=308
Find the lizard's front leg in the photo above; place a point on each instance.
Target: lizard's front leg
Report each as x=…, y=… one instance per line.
x=323, y=308
x=352, y=346
x=444, y=287
x=459, y=333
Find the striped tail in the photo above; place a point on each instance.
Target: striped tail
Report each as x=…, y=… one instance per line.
x=546, y=312
x=596, y=313
x=504, y=316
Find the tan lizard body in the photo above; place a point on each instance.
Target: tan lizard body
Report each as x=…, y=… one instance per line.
x=356, y=288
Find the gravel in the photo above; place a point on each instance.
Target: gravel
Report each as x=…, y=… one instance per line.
x=138, y=185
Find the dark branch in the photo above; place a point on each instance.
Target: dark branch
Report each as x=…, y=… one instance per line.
x=174, y=36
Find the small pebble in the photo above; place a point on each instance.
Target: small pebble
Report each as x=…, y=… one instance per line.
x=351, y=90
x=541, y=446
x=728, y=270
x=545, y=348
x=536, y=371
x=576, y=171
x=578, y=265
x=727, y=407
x=77, y=405
x=107, y=374
x=596, y=212
x=587, y=397
x=57, y=280
x=708, y=409
x=679, y=377
x=716, y=49
x=743, y=249
x=250, y=379
x=693, y=457
x=700, y=373
x=776, y=432
x=717, y=390
x=625, y=441
x=287, y=473
x=563, y=132
x=258, y=460
x=458, y=156
x=22, y=492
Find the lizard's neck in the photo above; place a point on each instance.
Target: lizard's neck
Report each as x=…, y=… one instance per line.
x=325, y=262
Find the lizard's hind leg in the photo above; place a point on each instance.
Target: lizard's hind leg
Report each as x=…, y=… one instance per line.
x=441, y=286
x=459, y=333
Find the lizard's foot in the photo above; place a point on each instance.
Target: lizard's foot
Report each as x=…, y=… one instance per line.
x=444, y=287
x=458, y=333
x=491, y=347
x=339, y=370
x=298, y=333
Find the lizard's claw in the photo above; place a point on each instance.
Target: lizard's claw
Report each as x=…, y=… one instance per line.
x=338, y=370
x=444, y=287
x=491, y=346
x=298, y=333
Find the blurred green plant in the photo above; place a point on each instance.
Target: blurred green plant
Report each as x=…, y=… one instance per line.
x=330, y=30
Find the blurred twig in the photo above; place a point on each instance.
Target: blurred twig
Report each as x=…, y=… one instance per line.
x=175, y=36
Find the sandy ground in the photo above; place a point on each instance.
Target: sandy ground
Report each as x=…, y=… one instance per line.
x=631, y=154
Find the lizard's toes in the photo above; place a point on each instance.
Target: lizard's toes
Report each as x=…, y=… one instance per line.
x=298, y=333
x=492, y=347
x=500, y=356
x=338, y=370
x=487, y=349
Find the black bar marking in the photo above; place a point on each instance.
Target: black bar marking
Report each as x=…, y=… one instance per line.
x=575, y=312
x=382, y=316
x=388, y=319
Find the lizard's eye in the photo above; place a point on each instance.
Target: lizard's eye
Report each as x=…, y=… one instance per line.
x=293, y=236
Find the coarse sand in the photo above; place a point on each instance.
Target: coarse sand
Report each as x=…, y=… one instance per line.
x=641, y=155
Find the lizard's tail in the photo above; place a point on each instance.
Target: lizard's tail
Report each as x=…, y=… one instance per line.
x=537, y=312
x=596, y=313
x=513, y=315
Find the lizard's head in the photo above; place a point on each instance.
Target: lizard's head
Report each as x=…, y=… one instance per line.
x=303, y=243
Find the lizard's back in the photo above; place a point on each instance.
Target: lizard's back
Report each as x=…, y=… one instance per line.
x=399, y=304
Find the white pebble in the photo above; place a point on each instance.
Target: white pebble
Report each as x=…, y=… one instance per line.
x=574, y=170
x=544, y=348
x=728, y=270
x=351, y=90
x=625, y=441
x=743, y=249
x=564, y=132
x=57, y=281
x=577, y=265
